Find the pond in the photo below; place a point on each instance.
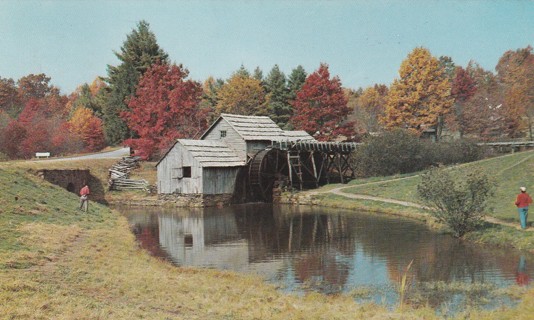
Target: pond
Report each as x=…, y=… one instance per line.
x=303, y=249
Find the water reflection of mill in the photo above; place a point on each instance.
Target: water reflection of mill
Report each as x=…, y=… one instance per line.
x=328, y=252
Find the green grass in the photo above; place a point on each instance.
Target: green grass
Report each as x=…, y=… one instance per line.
x=508, y=172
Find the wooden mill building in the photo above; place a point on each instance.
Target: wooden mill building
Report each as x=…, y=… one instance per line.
x=241, y=158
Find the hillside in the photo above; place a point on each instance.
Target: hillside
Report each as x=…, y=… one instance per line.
x=387, y=194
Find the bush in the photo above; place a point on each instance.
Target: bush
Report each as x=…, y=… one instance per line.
x=457, y=199
x=399, y=151
x=396, y=151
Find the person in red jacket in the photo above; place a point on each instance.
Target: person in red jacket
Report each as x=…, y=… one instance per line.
x=522, y=201
x=84, y=197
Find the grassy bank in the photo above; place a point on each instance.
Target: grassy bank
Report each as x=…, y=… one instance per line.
x=508, y=172
x=59, y=263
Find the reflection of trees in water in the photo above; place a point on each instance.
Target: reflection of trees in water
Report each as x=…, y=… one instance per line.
x=146, y=230
x=322, y=244
x=315, y=241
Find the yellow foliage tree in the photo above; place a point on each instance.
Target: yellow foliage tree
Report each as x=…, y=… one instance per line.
x=243, y=95
x=421, y=97
x=80, y=120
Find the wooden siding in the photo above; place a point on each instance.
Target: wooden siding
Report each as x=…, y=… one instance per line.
x=170, y=171
x=219, y=180
x=233, y=139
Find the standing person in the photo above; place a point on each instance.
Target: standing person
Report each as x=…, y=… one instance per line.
x=522, y=201
x=84, y=197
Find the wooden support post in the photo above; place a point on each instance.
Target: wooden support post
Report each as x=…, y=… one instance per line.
x=314, y=169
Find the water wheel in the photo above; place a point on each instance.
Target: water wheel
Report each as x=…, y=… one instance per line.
x=265, y=168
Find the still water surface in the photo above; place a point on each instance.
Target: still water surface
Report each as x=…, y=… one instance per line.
x=332, y=251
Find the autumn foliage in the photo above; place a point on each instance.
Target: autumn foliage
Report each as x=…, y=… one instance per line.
x=421, y=97
x=165, y=107
x=320, y=107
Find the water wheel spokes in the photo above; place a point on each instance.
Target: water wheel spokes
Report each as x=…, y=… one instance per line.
x=265, y=168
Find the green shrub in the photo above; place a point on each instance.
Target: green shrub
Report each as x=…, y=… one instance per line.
x=399, y=151
x=396, y=151
x=457, y=199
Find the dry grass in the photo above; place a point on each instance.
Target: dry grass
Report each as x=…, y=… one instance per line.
x=58, y=263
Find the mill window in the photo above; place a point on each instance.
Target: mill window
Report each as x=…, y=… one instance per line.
x=186, y=172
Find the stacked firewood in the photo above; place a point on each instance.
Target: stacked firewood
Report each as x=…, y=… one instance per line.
x=119, y=175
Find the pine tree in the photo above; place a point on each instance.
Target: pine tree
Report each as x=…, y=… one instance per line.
x=295, y=81
x=138, y=53
x=277, y=96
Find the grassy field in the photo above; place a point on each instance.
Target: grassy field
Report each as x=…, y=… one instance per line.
x=508, y=173
x=59, y=263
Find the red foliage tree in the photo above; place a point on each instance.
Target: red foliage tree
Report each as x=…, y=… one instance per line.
x=164, y=108
x=463, y=88
x=13, y=135
x=320, y=107
x=94, y=135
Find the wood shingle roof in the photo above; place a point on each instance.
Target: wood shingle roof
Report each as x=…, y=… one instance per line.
x=254, y=128
x=212, y=153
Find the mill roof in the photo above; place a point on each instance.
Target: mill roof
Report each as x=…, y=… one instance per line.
x=211, y=153
x=252, y=128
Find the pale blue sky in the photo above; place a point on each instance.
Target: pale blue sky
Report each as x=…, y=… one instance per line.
x=364, y=42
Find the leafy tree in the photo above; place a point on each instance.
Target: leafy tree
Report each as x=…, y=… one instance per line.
x=421, y=97
x=9, y=99
x=515, y=71
x=457, y=199
x=277, y=94
x=243, y=95
x=483, y=112
x=86, y=96
x=93, y=137
x=164, y=108
x=79, y=122
x=138, y=53
x=463, y=88
x=12, y=137
x=320, y=107
x=369, y=108
x=34, y=86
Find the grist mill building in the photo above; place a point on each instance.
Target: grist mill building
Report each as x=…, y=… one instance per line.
x=242, y=158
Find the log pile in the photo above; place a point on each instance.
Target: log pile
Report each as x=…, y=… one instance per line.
x=119, y=175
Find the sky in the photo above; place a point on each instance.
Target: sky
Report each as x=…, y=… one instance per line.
x=363, y=42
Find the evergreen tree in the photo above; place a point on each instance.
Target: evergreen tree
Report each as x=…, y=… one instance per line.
x=295, y=81
x=277, y=96
x=258, y=74
x=138, y=53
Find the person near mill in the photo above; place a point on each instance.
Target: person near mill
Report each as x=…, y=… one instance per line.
x=84, y=197
x=522, y=202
